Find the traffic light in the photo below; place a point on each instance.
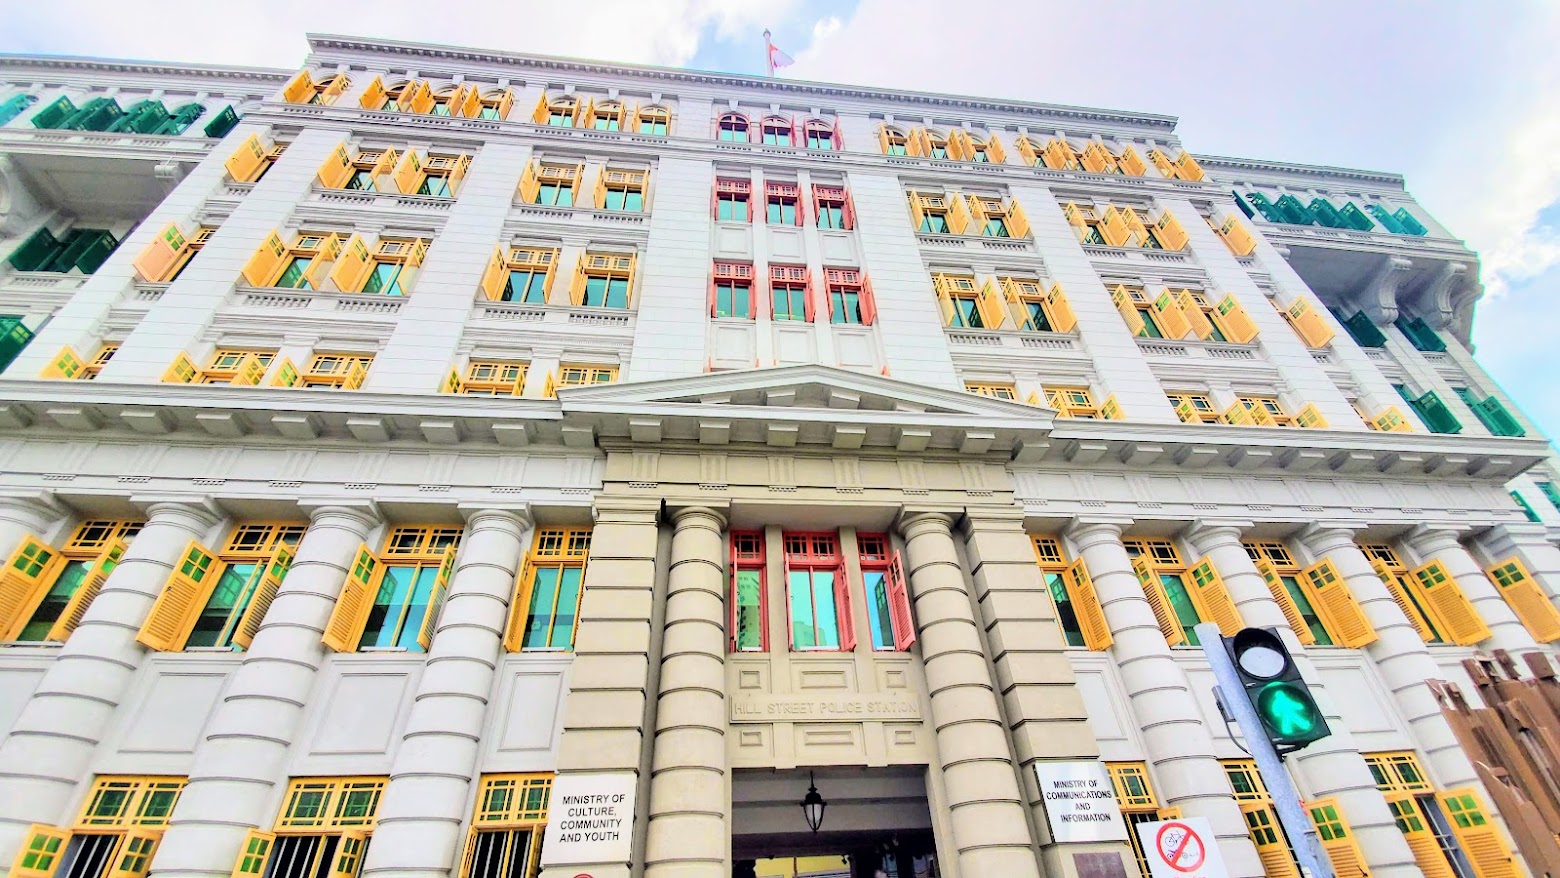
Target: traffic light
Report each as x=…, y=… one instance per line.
x=1273, y=685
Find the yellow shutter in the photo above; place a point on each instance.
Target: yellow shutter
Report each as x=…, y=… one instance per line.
x=91, y=584
x=384, y=165
x=1391, y=420
x=919, y=143
x=1527, y=599
x=1194, y=314
x=182, y=371
x=577, y=284
x=260, y=601
x=996, y=153
x=1187, y=168
x=1308, y=324
x=1096, y=159
x=248, y=372
x=264, y=267
x=66, y=365
x=1058, y=311
x=540, y=114
x=254, y=854
x=1233, y=321
x=1399, y=591
x=1017, y=220
x=550, y=387
x=133, y=855
x=992, y=312
x=409, y=175
x=374, y=95
x=352, y=269
x=346, y=623
x=286, y=374
x=470, y=105
x=338, y=84
x=436, y=598
x=530, y=184
x=958, y=145
x=458, y=173
x=1238, y=415
x=1158, y=601
x=1335, y=605
x=421, y=97
x=41, y=852
x=495, y=276
x=1086, y=604
x=452, y=382
x=1449, y=609
x=299, y=89
x=1281, y=596
x=1310, y=417
x=1129, y=312
x=882, y=133
x=1479, y=838
x=354, y=377
x=26, y=579
x=1162, y=162
x=959, y=219
x=1173, y=323
x=189, y=586
x=1416, y=831
x=1132, y=163
x=154, y=262
x=1240, y=241
x=1110, y=409
x=337, y=168
x=1169, y=231
x=1268, y=836
x=977, y=214
x=1113, y=227
x=1337, y=838
x=348, y=856
x=519, y=608
x=1211, y=596
x=945, y=305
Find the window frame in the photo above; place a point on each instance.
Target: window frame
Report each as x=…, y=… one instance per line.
x=813, y=561
x=748, y=553
x=560, y=548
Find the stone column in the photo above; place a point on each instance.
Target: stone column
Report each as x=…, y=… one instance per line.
x=243, y=758
x=990, y=825
x=1530, y=542
x=1175, y=734
x=22, y=513
x=1332, y=766
x=49, y=749
x=1506, y=631
x=1398, y=652
x=689, y=832
x=1045, y=712
x=418, y=829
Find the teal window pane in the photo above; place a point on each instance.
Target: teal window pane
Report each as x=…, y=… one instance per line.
x=1181, y=604
x=15, y=106
x=878, y=616
x=820, y=140
x=828, y=629
x=607, y=123
x=1037, y=321
x=996, y=228
x=416, y=609
x=897, y=149
x=831, y=216
x=617, y=292
x=732, y=300
x=634, y=201
x=1066, y=614
x=732, y=209
x=1150, y=328
x=845, y=307
x=782, y=212
x=788, y=303
x=966, y=314
x=529, y=287
x=292, y=276
x=939, y=152
x=1307, y=612
x=568, y=603
x=384, y=620
x=804, y=633
x=750, y=620
x=435, y=185
x=385, y=279
x=53, y=604
x=544, y=594
x=934, y=223
x=488, y=113
x=214, y=626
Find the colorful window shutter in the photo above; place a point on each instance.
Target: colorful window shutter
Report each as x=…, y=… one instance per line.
x=1341, y=614
x=1478, y=837
x=1446, y=604
x=1129, y=312
x=1195, y=318
x=1172, y=320
x=992, y=310
x=249, y=371
x=182, y=371
x=1086, y=603
x=514, y=629
x=40, y=855
x=1337, y=839
x=1058, y=311
x=24, y=583
x=174, y=612
x=436, y=599
x=1187, y=168
x=374, y=95
x=494, y=277
x=1391, y=420
x=1132, y=163
x=845, y=613
x=1170, y=232
x=154, y=262
x=254, y=854
x=266, y=264
x=1421, y=840
x=1310, y=417
x=1211, y=596
x=409, y=174
x=348, y=855
x=337, y=168
x=1527, y=599
x=346, y=623
x=87, y=591
x=66, y=365
x=352, y=269
x=1308, y=324
x=1233, y=321
x=1285, y=601
x=959, y=218
x=1272, y=846
x=1399, y=593
x=286, y=374
x=899, y=605
x=1240, y=241
x=247, y=160
x=133, y=857
x=1113, y=227
x=1158, y=601
x=265, y=592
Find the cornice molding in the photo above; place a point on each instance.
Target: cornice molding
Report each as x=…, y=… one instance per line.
x=1271, y=167
x=266, y=75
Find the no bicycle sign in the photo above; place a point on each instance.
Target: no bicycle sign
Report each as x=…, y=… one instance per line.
x=1182, y=848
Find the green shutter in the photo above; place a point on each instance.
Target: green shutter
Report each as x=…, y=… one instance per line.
x=1363, y=330
x=1406, y=220
x=223, y=123
x=99, y=243
x=1241, y=203
x=1526, y=509
x=1387, y=220
x=181, y=120
x=13, y=337
x=36, y=252
x=1551, y=493
x=1496, y=419
x=1434, y=413
x=15, y=107
x=97, y=114
x=1294, y=211
x=1356, y=218
x=1326, y=214
x=1266, y=208
x=54, y=114
x=144, y=117
x=1420, y=334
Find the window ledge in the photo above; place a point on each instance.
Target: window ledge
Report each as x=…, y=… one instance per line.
x=1214, y=350
x=1012, y=339
x=555, y=213
x=280, y=299
x=358, y=198
x=1136, y=254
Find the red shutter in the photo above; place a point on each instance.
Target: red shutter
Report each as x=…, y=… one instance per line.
x=868, y=302
x=810, y=306
x=712, y=291
x=849, y=211
x=839, y=139
x=817, y=200
x=843, y=611
x=715, y=201
x=731, y=568
x=899, y=605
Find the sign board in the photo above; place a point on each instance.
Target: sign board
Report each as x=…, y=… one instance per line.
x=839, y=708
x=590, y=819
x=1181, y=848
x=1080, y=801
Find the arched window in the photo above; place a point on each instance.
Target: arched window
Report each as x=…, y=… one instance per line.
x=820, y=135
x=443, y=101
x=733, y=127
x=979, y=150
x=394, y=93
x=936, y=145
x=495, y=104
x=656, y=121
x=561, y=111
x=181, y=119
x=894, y=141
x=605, y=116
x=777, y=131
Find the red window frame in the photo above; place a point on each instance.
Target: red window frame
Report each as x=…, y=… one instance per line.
x=747, y=125
x=791, y=275
x=835, y=142
x=876, y=554
x=784, y=192
x=850, y=280
x=829, y=195
x=819, y=551
x=779, y=123
x=729, y=186
x=747, y=553
x=734, y=272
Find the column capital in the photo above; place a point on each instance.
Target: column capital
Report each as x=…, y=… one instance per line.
x=1000, y=518
x=194, y=512
x=1430, y=538
x=1092, y=529
x=1327, y=536
x=1523, y=532
x=359, y=515
x=1205, y=532
x=627, y=510
x=694, y=516
x=514, y=517
x=43, y=504
x=912, y=521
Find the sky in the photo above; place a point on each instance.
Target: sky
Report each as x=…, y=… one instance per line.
x=1456, y=96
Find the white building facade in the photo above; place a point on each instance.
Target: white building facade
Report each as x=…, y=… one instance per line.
x=431, y=452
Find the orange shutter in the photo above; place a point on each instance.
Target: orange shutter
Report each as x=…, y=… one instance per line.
x=266, y=264
x=247, y=159
x=1173, y=323
x=1058, y=310
x=299, y=89
x=409, y=176
x=495, y=276
x=1195, y=317
x=337, y=169
x=1132, y=163
x=1308, y=324
x=989, y=303
x=436, y=598
x=352, y=268
x=1170, y=232
x=1337, y=839
x=374, y=95
x=1399, y=592
x=1113, y=227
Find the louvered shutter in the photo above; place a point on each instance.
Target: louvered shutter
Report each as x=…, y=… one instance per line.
x=248, y=371
x=1337, y=838
x=247, y=160
x=25, y=581
x=1158, y=601
x=1449, y=608
x=520, y=608
x=868, y=301
x=495, y=277
x=1132, y=163
x=1269, y=839
x=1058, y=311
x=1478, y=836
x=1194, y=315
x=436, y=599
x=1170, y=232
x=1340, y=613
x=160, y=256
x=374, y=95
x=1416, y=831
x=76, y=608
x=1399, y=592
x=353, y=267
x=408, y=175
x=959, y=219
x=337, y=168
x=1211, y=597
x=1086, y=605
x=899, y=605
x=132, y=857
x=254, y=854
x=1173, y=323
x=1233, y=321
x=845, y=614
x=299, y=89
x=355, y=602
x=185, y=594
x=1128, y=310
x=265, y=593
x=266, y=264
x=1285, y=601
x=992, y=311
x=1113, y=227
x=1308, y=324
x=1526, y=598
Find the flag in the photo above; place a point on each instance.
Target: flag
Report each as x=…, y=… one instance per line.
x=776, y=58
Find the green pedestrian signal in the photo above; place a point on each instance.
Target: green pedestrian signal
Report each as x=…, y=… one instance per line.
x=1287, y=710
x=1273, y=685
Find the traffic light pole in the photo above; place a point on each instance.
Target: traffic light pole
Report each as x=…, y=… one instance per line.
x=1286, y=799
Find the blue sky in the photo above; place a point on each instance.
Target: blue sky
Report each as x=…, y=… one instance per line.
x=1456, y=96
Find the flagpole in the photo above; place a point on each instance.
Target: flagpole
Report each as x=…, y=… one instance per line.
x=769, y=54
